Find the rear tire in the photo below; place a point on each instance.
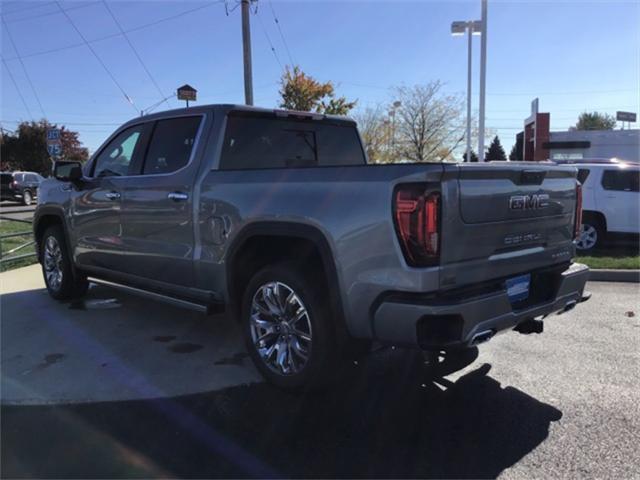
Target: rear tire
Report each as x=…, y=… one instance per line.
x=592, y=234
x=287, y=327
x=57, y=269
x=27, y=198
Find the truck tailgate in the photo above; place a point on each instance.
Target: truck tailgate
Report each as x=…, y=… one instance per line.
x=505, y=218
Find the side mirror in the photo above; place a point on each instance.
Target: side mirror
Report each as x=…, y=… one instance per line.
x=66, y=171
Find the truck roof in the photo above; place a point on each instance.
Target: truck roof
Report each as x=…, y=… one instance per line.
x=225, y=108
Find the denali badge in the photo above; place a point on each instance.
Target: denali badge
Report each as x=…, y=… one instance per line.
x=529, y=202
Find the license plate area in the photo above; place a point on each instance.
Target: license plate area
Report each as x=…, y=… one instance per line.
x=518, y=288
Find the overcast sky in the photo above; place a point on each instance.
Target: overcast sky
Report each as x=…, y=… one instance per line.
x=573, y=55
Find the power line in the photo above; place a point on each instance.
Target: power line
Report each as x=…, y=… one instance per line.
x=48, y=14
x=124, y=34
x=286, y=46
x=114, y=35
x=15, y=84
x=106, y=69
x=30, y=7
x=273, y=49
x=33, y=89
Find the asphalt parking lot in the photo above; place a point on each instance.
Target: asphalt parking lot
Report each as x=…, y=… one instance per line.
x=117, y=386
x=16, y=211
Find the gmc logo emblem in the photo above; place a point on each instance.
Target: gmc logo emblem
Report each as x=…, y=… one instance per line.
x=529, y=202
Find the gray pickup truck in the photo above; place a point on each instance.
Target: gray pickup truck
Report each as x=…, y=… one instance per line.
x=276, y=217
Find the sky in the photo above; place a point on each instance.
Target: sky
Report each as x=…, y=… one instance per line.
x=573, y=55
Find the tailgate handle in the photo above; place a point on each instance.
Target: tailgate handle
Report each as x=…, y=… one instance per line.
x=532, y=177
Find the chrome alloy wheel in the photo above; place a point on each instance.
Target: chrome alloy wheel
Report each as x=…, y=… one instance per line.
x=53, y=263
x=588, y=237
x=280, y=328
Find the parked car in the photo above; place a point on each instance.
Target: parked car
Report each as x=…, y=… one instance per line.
x=19, y=186
x=611, y=203
x=276, y=217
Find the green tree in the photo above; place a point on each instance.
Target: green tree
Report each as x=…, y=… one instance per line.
x=495, y=152
x=595, y=121
x=26, y=149
x=299, y=91
x=516, y=151
x=473, y=156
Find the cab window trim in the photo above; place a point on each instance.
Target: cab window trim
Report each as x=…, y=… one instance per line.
x=153, y=122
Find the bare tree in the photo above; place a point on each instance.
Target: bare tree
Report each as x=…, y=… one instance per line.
x=430, y=125
x=375, y=130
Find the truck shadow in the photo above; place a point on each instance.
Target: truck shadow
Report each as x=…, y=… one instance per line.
x=384, y=419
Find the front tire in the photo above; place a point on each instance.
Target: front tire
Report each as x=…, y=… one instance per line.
x=57, y=269
x=287, y=328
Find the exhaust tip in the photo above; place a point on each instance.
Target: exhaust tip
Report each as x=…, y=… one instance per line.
x=482, y=337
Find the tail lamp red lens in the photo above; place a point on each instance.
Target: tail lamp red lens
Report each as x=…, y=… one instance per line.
x=578, y=223
x=417, y=219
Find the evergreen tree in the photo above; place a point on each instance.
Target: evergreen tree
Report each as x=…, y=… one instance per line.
x=516, y=151
x=474, y=157
x=495, y=152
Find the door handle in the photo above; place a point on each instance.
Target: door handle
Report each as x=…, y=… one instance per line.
x=178, y=196
x=112, y=195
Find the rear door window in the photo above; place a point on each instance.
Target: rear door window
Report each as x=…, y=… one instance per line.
x=171, y=145
x=583, y=174
x=621, y=180
x=269, y=142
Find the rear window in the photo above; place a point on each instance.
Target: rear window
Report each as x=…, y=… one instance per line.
x=621, y=180
x=267, y=142
x=6, y=178
x=171, y=144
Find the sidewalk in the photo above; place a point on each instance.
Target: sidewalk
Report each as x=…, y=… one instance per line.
x=111, y=346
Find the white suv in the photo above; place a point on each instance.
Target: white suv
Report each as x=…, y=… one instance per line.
x=611, y=203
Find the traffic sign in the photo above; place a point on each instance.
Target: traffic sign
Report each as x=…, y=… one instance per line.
x=53, y=135
x=54, y=149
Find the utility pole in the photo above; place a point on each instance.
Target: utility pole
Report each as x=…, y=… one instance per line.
x=469, y=65
x=483, y=80
x=246, y=51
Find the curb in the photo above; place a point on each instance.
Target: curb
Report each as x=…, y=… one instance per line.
x=606, y=275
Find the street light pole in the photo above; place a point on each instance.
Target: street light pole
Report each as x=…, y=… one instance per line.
x=246, y=51
x=483, y=80
x=470, y=28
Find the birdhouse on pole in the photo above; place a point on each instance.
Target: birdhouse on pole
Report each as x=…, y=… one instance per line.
x=187, y=92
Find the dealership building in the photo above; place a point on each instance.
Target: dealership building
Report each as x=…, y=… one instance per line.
x=539, y=143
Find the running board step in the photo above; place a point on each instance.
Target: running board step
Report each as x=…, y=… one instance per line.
x=178, y=302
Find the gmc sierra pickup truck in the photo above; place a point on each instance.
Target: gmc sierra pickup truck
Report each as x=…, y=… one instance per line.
x=276, y=217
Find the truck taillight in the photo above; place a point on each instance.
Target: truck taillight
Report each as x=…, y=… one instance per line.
x=578, y=223
x=417, y=220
